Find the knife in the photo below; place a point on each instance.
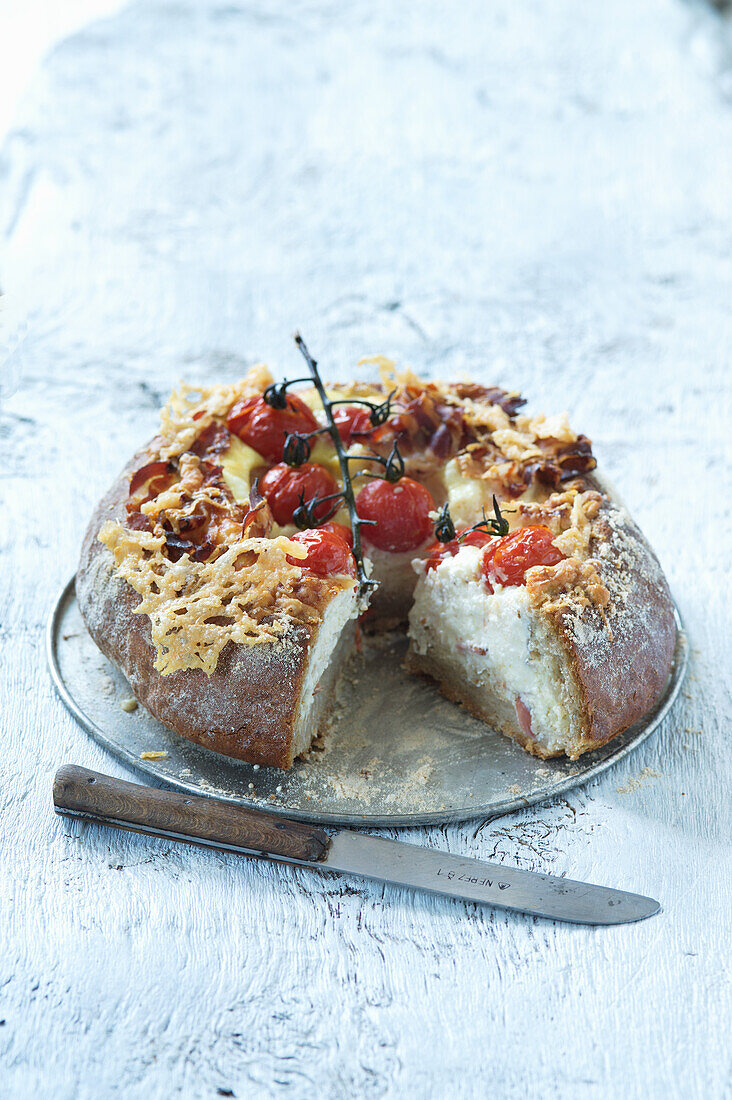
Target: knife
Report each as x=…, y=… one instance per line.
x=91, y=796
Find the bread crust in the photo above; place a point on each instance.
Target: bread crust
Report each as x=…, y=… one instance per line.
x=620, y=658
x=247, y=708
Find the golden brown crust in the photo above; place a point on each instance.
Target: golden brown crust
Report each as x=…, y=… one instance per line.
x=245, y=709
x=621, y=655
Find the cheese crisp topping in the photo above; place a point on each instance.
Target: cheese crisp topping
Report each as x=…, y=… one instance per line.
x=547, y=427
x=578, y=581
x=514, y=445
x=248, y=595
x=190, y=409
x=484, y=415
x=391, y=378
x=569, y=516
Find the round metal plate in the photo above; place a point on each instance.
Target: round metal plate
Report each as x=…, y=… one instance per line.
x=395, y=753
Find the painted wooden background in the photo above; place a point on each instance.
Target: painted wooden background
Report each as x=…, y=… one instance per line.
x=538, y=194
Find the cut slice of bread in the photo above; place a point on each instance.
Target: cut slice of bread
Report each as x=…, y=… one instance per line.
x=559, y=676
x=495, y=653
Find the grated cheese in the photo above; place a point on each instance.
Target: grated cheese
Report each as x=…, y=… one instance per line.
x=547, y=427
x=514, y=445
x=479, y=414
x=190, y=409
x=578, y=581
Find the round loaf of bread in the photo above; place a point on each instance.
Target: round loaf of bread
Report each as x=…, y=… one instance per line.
x=227, y=638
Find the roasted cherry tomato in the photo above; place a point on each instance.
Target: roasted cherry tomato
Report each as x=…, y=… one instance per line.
x=282, y=486
x=328, y=555
x=442, y=550
x=352, y=421
x=505, y=560
x=400, y=511
x=339, y=529
x=264, y=428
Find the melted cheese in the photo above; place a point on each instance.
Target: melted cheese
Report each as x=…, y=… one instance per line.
x=237, y=464
x=467, y=496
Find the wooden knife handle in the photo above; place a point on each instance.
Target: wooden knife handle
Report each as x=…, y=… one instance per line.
x=92, y=796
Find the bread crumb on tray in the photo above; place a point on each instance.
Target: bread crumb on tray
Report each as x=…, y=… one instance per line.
x=636, y=781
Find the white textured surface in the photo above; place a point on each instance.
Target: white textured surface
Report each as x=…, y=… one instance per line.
x=536, y=193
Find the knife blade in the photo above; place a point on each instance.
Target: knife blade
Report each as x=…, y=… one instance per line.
x=91, y=796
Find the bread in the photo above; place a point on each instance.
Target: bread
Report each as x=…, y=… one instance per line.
x=229, y=640
x=585, y=673
x=260, y=704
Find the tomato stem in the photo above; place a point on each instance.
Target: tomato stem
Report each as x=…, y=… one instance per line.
x=304, y=515
x=364, y=582
x=495, y=525
x=379, y=413
x=444, y=528
x=276, y=395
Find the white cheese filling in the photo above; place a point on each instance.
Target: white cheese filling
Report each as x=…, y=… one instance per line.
x=493, y=641
x=315, y=692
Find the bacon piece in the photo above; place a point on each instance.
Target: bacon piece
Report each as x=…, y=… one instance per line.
x=176, y=547
x=152, y=469
x=423, y=423
x=524, y=717
x=213, y=440
x=441, y=442
x=137, y=521
x=258, y=519
x=210, y=471
x=492, y=395
x=546, y=473
x=576, y=458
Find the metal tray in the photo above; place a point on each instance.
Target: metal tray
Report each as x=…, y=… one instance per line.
x=395, y=752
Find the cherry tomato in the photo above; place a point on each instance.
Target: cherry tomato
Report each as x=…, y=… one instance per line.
x=339, y=529
x=328, y=554
x=441, y=550
x=264, y=428
x=506, y=560
x=352, y=421
x=401, y=511
x=282, y=486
